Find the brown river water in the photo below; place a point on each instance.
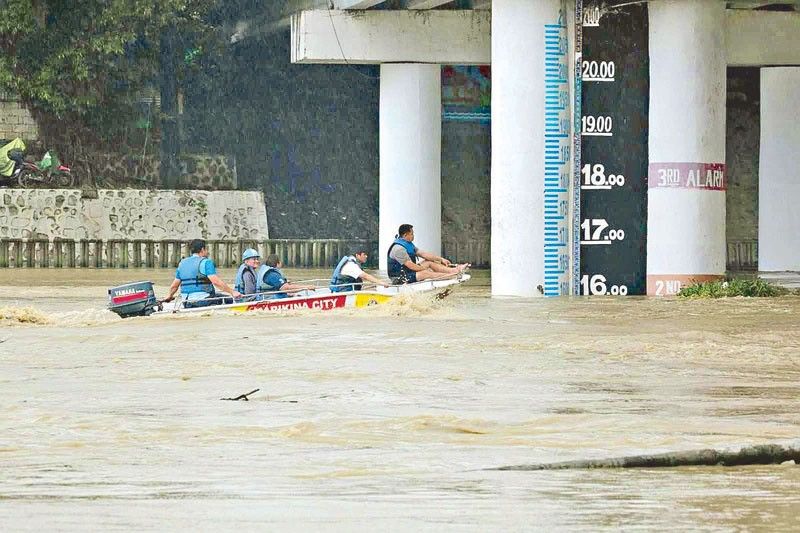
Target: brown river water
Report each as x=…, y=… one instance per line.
x=384, y=418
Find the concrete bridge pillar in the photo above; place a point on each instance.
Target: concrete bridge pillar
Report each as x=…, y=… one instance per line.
x=410, y=154
x=518, y=128
x=686, y=194
x=779, y=171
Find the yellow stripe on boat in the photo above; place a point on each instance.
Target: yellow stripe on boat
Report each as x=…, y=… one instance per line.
x=365, y=300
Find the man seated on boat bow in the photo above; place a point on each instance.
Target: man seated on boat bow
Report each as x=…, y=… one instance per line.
x=403, y=266
x=196, y=277
x=271, y=279
x=348, y=276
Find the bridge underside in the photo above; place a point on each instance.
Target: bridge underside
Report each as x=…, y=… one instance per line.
x=691, y=44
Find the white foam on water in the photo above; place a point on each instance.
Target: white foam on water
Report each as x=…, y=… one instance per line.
x=28, y=316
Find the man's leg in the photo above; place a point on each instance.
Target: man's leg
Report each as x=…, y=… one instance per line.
x=439, y=268
x=429, y=274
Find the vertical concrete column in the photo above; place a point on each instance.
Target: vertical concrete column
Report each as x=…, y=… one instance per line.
x=517, y=188
x=779, y=170
x=410, y=155
x=686, y=194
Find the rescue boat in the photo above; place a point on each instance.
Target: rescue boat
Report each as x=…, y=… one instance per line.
x=139, y=299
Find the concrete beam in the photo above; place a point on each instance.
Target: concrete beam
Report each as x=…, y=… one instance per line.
x=755, y=38
x=356, y=4
x=453, y=37
x=753, y=5
x=425, y=4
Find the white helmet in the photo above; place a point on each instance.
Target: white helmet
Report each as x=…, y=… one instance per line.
x=249, y=254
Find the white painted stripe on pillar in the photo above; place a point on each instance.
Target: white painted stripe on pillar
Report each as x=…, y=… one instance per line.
x=686, y=227
x=779, y=170
x=518, y=29
x=410, y=155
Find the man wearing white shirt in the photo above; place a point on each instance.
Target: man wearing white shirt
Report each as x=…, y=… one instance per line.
x=348, y=275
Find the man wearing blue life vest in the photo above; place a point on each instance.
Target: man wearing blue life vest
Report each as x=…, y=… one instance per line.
x=271, y=279
x=348, y=276
x=403, y=265
x=246, y=275
x=196, y=277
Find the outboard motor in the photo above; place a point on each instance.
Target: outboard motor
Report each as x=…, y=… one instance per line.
x=133, y=299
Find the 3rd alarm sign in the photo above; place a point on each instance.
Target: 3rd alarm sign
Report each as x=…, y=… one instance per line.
x=707, y=176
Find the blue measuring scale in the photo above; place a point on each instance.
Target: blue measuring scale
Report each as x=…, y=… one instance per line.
x=557, y=159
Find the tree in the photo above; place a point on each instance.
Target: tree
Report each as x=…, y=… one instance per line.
x=79, y=66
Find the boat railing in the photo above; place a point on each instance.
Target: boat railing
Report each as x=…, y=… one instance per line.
x=325, y=283
x=318, y=290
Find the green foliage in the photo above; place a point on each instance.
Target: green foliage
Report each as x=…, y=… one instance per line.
x=733, y=287
x=85, y=61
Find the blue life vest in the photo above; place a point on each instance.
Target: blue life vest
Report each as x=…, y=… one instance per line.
x=262, y=285
x=341, y=283
x=239, y=283
x=393, y=267
x=191, y=278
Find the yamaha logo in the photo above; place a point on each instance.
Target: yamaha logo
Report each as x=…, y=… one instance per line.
x=125, y=292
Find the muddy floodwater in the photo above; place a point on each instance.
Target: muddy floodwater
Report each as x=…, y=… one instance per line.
x=384, y=418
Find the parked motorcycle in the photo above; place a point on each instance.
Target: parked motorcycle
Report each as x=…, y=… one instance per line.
x=53, y=175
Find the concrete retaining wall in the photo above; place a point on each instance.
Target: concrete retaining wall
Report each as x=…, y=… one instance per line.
x=132, y=214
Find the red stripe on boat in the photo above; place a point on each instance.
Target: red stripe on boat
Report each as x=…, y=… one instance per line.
x=320, y=302
x=128, y=297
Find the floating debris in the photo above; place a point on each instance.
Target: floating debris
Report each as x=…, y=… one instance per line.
x=242, y=397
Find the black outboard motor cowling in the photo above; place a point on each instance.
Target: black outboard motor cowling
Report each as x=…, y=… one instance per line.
x=133, y=299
